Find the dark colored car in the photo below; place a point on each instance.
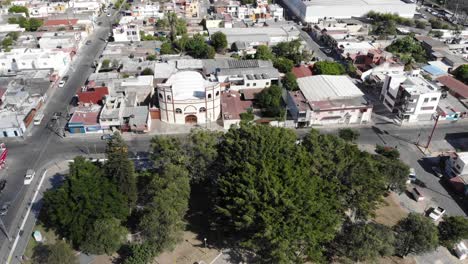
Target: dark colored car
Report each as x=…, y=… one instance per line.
x=2, y=185
x=4, y=209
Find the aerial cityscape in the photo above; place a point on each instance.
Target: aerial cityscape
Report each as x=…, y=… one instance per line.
x=233, y=131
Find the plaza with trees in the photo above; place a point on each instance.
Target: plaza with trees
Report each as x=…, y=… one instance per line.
x=253, y=187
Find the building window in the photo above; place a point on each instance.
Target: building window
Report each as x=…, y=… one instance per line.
x=433, y=99
x=178, y=111
x=267, y=83
x=217, y=93
x=254, y=84
x=209, y=96
x=202, y=110
x=169, y=98
x=248, y=85
x=160, y=96
x=426, y=108
x=426, y=100
x=330, y=112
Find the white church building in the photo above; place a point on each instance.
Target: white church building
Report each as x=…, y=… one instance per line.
x=187, y=97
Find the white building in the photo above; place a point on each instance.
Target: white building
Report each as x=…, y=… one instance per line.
x=85, y=7
x=27, y=59
x=255, y=36
x=458, y=163
x=312, y=11
x=328, y=99
x=112, y=113
x=147, y=10
x=188, y=98
x=410, y=96
x=6, y=28
x=127, y=30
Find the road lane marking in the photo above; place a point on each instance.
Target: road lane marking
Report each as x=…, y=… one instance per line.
x=26, y=217
x=219, y=255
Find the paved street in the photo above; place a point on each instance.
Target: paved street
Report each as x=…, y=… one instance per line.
x=40, y=145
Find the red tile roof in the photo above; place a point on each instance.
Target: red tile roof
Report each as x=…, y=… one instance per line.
x=249, y=94
x=60, y=22
x=232, y=105
x=93, y=95
x=86, y=116
x=455, y=86
x=302, y=71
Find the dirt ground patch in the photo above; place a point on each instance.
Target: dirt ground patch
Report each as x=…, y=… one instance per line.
x=397, y=260
x=391, y=212
x=189, y=251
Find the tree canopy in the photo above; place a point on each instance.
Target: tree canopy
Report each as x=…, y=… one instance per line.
x=147, y=71
x=60, y=253
x=31, y=24
x=461, y=73
x=415, y=234
x=85, y=196
x=410, y=47
x=120, y=169
x=290, y=82
x=271, y=101
x=283, y=64
x=18, y=9
x=452, y=230
x=219, y=41
x=198, y=48
x=263, y=53
x=328, y=68
x=348, y=134
x=105, y=237
x=268, y=197
x=361, y=242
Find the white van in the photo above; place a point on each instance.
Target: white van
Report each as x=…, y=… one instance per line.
x=38, y=119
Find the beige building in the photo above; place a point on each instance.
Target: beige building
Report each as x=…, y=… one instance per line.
x=188, y=98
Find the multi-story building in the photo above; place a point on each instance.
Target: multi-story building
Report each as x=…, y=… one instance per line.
x=127, y=30
x=458, y=163
x=27, y=59
x=187, y=97
x=327, y=99
x=147, y=10
x=410, y=96
x=312, y=11
x=112, y=113
x=191, y=8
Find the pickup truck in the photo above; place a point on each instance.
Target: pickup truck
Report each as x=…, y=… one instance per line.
x=437, y=213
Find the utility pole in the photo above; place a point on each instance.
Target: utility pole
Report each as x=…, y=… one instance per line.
x=432, y=133
x=2, y=226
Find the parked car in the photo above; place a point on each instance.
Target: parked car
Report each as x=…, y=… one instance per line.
x=437, y=172
x=106, y=137
x=437, y=213
x=88, y=42
x=327, y=51
x=2, y=184
x=411, y=176
x=28, y=178
x=108, y=14
x=56, y=115
x=105, y=10
x=417, y=195
x=4, y=209
x=61, y=84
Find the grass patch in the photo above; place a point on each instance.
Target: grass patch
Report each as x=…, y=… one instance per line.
x=391, y=212
x=48, y=236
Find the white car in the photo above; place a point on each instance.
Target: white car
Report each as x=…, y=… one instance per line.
x=105, y=10
x=437, y=213
x=61, y=83
x=29, y=176
x=108, y=14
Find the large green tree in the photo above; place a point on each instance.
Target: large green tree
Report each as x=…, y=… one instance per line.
x=408, y=46
x=361, y=242
x=198, y=48
x=283, y=64
x=290, y=82
x=219, y=41
x=269, y=198
x=415, y=234
x=202, y=152
x=270, y=100
x=291, y=50
x=461, y=73
x=120, y=169
x=105, y=237
x=452, y=230
x=60, y=253
x=263, y=53
x=163, y=221
x=85, y=196
x=328, y=68
x=354, y=172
